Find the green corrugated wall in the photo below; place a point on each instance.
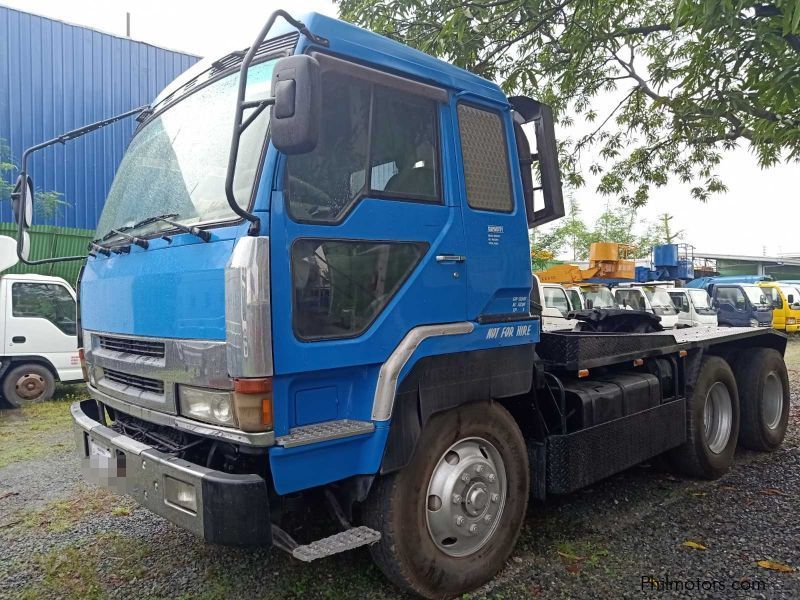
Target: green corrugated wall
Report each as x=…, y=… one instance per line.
x=47, y=242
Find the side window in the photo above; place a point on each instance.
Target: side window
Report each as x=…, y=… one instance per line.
x=556, y=298
x=733, y=296
x=679, y=301
x=371, y=139
x=773, y=296
x=575, y=299
x=48, y=301
x=341, y=286
x=485, y=155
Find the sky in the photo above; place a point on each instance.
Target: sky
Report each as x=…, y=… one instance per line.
x=756, y=216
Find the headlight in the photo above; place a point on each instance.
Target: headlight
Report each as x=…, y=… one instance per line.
x=753, y=323
x=791, y=320
x=211, y=406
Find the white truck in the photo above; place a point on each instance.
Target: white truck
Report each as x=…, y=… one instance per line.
x=40, y=346
x=555, y=306
x=693, y=306
x=651, y=297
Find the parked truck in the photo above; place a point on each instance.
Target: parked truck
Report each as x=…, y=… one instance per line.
x=37, y=328
x=740, y=302
x=334, y=302
x=651, y=297
x=693, y=306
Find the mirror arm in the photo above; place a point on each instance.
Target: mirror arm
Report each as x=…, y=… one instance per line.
x=61, y=139
x=241, y=104
x=259, y=106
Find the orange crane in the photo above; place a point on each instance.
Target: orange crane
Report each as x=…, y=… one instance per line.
x=607, y=260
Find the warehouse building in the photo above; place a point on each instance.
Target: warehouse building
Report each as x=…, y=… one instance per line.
x=55, y=77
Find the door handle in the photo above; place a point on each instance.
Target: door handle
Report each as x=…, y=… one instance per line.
x=448, y=258
x=18, y=339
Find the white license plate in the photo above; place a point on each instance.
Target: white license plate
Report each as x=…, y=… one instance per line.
x=99, y=451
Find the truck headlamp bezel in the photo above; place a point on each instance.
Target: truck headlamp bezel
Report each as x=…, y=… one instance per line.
x=207, y=405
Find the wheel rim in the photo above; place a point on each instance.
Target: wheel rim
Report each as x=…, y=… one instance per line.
x=773, y=400
x=30, y=386
x=466, y=497
x=718, y=417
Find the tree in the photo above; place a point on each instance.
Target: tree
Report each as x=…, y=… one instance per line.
x=689, y=78
x=46, y=203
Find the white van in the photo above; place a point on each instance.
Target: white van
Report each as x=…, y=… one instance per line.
x=694, y=307
x=38, y=330
x=651, y=297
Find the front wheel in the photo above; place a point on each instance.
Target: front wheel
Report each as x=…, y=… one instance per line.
x=27, y=384
x=451, y=517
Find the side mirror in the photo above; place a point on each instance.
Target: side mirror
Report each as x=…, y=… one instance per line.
x=790, y=298
x=22, y=207
x=589, y=304
x=546, y=155
x=296, y=114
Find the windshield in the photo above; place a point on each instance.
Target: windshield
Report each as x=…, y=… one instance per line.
x=177, y=162
x=790, y=290
x=601, y=297
x=660, y=300
x=700, y=299
x=755, y=294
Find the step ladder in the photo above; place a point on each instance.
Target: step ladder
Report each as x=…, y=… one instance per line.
x=349, y=539
x=323, y=432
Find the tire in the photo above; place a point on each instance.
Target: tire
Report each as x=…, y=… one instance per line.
x=708, y=453
x=764, y=394
x=403, y=509
x=27, y=384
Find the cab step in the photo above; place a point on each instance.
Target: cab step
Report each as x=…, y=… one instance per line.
x=340, y=542
x=322, y=432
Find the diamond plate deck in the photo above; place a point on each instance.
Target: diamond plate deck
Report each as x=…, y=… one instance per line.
x=322, y=432
x=341, y=542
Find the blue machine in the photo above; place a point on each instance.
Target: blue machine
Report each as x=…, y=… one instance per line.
x=669, y=262
x=312, y=279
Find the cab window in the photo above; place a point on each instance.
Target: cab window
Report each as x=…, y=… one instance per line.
x=733, y=296
x=575, y=299
x=48, y=301
x=556, y=298
x=373, y=141
x=630, y=298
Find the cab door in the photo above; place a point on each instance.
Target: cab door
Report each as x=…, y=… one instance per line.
x=40, y=321
x=495, y=223
x=366, y=242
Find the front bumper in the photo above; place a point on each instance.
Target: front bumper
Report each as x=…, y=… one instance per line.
x=228, y=509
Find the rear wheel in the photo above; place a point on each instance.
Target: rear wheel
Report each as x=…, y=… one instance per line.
x=712, y=423
x=451, y=517
x=764, y=390
x=27, y=384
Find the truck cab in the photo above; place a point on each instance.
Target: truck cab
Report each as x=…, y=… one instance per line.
x=38, y=329
x=651, y=297
x=694, y=307
x=785, y=305
x=556, y=305
x=741, y=305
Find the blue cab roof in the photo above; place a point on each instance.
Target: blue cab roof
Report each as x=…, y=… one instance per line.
x=369, y=47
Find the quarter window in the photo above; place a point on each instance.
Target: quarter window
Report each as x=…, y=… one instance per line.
x=556, y=298
x=341, y=286
x=485, y=155
x=48, y=301
x=372, y=139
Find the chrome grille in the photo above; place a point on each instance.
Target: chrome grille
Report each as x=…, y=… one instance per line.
x=132, y=346
x=143, y=383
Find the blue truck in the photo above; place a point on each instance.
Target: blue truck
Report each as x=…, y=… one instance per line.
x=311, y=280
x=739, y=301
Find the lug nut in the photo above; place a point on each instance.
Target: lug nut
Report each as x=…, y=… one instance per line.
x=456, y=499
x=490, y=477
x=495, y=497
x=473, y=528
x=488, y=518
x=460, y=521
x=479, y=469
x=465, y=478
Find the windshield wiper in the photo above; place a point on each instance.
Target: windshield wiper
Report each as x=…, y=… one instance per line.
x=142, y=243
x=167, y=218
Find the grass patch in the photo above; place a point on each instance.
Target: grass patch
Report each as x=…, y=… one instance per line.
x=792, y=356
x=63, y=514
x=33, y=431
x=76, y=572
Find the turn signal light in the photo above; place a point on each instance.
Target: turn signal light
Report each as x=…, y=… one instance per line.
x=583, y=373
x=84, y=369
x=252, y=399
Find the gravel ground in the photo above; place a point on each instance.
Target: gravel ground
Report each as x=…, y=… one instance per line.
x=624, y=537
